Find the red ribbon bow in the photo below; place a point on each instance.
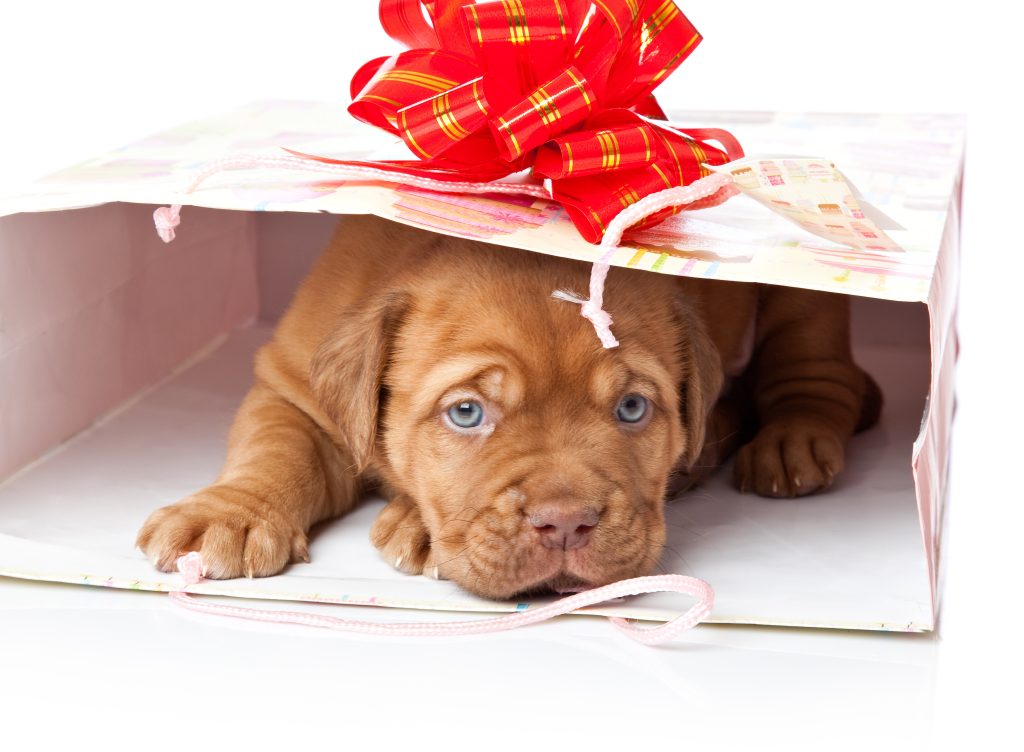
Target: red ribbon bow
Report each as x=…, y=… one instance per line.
x=563, y=86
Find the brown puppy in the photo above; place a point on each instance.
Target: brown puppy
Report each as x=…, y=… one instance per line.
x=516, y=453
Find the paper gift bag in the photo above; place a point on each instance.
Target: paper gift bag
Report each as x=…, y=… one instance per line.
x=122, y=359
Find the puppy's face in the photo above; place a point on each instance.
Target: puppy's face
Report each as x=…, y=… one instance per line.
x=537, y=459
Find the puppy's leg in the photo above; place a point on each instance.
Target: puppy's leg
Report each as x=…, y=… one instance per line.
x=401, y=536
x=808, y=393
x=282, y=476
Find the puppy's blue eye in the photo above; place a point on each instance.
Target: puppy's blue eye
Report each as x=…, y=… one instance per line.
x=466, y=414
x=632, y=408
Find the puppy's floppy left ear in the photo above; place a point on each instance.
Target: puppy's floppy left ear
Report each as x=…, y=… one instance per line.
x=702, y=378
x=347, y=371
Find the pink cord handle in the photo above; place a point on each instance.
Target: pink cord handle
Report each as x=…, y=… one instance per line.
x=710, y=190
x=167, y=218
x=191, y=567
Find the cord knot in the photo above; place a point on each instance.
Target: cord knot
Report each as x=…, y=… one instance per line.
x=602, y=321
x=166, y=219
x=190, y=566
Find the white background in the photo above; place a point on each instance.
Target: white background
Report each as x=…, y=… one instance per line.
x=80, y=78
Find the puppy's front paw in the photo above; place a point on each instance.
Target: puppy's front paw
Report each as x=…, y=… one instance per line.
x=791, y=458
x=401, y=537
x=221, y=524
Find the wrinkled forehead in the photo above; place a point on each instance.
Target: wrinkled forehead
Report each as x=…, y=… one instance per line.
x=512, y=364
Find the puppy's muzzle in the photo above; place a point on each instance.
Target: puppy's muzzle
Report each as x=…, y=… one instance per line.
x=563, y=525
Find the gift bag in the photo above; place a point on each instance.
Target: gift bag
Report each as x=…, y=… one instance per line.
x=123, y=358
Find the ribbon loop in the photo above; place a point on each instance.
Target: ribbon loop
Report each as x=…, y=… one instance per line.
x=661, y=42
x=403, y=21
x=519, y=42
x=561, y=103
x=618, y=148
x=388, y=85
x=432, y=126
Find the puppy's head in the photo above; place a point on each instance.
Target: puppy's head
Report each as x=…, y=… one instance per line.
x=537, y=459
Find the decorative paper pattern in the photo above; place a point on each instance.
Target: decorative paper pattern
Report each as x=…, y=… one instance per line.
x=906, y=166
x=815, y=195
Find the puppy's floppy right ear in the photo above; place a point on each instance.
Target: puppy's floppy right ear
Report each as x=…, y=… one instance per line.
x=702, y=379
x=347, y=371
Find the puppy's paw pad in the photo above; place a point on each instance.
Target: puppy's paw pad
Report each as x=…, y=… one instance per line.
x=789, y=460
x=401, y=537
x=233, y=540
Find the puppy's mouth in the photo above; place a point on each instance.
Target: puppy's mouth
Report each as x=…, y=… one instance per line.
x=565, y=584
x=561, y=584
x=518, y=565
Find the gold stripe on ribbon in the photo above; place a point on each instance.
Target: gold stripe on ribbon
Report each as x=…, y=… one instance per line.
x=658, y=20
x=476, y=97
x=446, y=119
x=476, y=25
x=423, y=80
x=561, y=18
x=611, y=17
x=675, y=158
x=379, y=98
x=626, y=196
x=544, y=105
x=518, y=29
x=508, y=129
x=408, y=132
x=701, y=156
x=671, y=64
x=581, y=87
x=662, y=175
x=610, y=153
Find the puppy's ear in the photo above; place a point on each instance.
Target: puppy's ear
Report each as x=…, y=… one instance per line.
x=347, y=371
x=702, y=379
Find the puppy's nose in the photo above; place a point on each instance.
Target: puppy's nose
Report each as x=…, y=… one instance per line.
x=564, y=526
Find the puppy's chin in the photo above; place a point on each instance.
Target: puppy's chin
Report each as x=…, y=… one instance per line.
x=561, y=585
x=549, y=576
x=566, y=584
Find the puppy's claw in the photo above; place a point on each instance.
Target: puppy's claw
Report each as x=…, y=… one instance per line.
x=300, y=549
x=401, y=537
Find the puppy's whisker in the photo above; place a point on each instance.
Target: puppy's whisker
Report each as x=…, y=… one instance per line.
x=685, y=528
x=677, y=556
x=456, y=556
x=457, y=517
x=723, y=439
x=696, y=492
